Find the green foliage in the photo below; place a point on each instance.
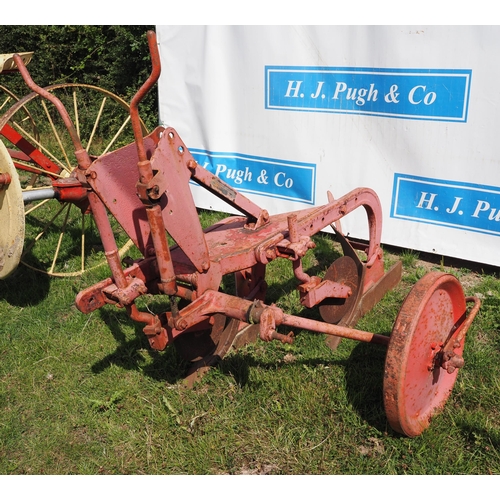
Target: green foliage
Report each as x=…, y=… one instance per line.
x=113, y=57
x=409, y=257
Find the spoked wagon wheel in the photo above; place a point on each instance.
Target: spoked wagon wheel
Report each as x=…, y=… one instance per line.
x=7, y=100
x=425, y=352
x=61, y=238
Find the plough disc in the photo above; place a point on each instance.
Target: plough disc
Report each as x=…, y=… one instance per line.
x=344, y=271
x=205, y=348
x=196, y=345
x=416, y=383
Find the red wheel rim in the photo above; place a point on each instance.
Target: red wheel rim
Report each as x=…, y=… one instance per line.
x=416, y=387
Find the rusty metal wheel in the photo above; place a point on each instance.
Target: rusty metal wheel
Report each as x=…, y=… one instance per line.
x=61, y=238
x=345, y=271
x=416, y=383
x=196, y=345
x=207, y=347
x=216, y=341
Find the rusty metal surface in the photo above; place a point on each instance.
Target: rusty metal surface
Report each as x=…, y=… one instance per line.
x=113, y=177
x=138, y=97
x=374, y=294
x=207, y=348
x=202, y=341
x=344, y=271
x=29, y=153
x=164, y=167
x=416, y=386
x=179, y=211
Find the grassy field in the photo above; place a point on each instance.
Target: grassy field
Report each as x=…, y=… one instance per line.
x=85, y=395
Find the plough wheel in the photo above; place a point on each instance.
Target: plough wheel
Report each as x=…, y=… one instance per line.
x=62, y=239
x=11, y=216
x=416, y=386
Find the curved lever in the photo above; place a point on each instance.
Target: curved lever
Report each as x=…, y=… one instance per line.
x=80, y=153
x=146, y=87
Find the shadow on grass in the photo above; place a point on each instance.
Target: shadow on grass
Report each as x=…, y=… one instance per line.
x=475, y=434
x=166, y=365
x=239, y=365
x=364, y=383
x=25, y=287
x=364, y=368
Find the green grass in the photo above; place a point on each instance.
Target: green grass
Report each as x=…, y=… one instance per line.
x=85, y=394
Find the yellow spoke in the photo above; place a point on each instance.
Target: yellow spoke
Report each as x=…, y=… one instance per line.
x=96, y=123
x=6, y=101
x=75, y=107
x=42, y=232
x=56, y=135
x=36, y=143
x=83, y=243
x=117, y=135
x=59, y=241
x=38, y=205
x=38, y=169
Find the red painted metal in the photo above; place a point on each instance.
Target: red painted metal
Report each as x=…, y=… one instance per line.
x=145, y=186
x=148, y=195
x=425, y=349
x=30, y=154
x=5, y=180
x=80, y=153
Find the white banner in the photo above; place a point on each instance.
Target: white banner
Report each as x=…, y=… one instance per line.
x=286, y=113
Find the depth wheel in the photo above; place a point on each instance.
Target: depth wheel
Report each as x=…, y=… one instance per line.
x=61, y=239
x=416, y=386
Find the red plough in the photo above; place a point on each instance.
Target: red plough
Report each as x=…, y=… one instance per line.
x=145, y=187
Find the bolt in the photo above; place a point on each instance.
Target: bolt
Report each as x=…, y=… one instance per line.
x=181, y=324
x=5, y=180
x=271, y=253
